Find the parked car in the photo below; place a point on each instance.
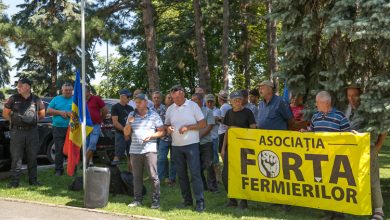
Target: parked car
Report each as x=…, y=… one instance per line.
x=105, y=143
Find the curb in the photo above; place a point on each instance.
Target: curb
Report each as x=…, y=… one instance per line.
x=79, y=208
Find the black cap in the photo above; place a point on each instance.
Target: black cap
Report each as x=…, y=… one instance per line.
x=176, y=88
x=125, y=92
x=236, y=95
x=141, y=96
x=25, y=81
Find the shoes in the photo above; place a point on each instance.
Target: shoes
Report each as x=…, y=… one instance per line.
x=35, y=183
x=184, y=205
x=155, y=204
x=171, y=183
x=90, y=164
x=200, y=207
x=378, y=216
x=115, y=162
x=13, y=185
x=59, y=173
x=135, y=203
x=243, y=204
x=232, y=203
x=213, y=190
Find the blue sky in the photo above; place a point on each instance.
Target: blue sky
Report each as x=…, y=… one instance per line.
x=12, y=9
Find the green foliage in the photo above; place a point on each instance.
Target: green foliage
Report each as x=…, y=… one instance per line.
x=5, y=28
x=330, y=44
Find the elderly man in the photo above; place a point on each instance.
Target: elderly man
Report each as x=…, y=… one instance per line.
x=328, y=119
x=23, y=110
x=183, y=120
x=145, y=126
x=274, y=113
x=60, y=107
x=223, y=102
x=377, y=139
x=206, y=144
x=119, y=113
x=239, y=117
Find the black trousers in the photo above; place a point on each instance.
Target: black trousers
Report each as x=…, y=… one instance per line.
x=59, y=135
x=206, y=163
x=24, y=140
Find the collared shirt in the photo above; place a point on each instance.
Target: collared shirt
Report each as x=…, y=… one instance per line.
x=214, y=131
x=62, y=104
x=274, y=115
x=95, y=103
x=253, y=108
x=160, y=111
x=188, y=113
x=334, y=121
x=222, y=127
x=210, y=120
x=143, y=127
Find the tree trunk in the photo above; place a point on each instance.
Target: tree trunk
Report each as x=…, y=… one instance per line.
x=150, y=37
x=201, y=51
x=225, y=45
x=245, y=56
x=53, y=70
x=272, y=48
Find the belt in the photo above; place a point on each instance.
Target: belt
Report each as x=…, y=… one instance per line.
x=23, y=127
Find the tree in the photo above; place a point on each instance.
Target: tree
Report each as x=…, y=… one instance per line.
x=272, y=51
x=5, y=29
x=225, y=45
x=150, y=37
x=201, y=51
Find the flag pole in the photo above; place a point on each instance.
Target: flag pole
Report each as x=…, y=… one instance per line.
x=83, y=129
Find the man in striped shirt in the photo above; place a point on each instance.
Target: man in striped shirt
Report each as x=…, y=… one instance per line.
x=328, y=118
x=145, y=126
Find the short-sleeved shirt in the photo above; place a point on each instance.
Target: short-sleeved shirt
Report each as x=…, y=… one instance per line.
x=358, y=123
x=253, y=108
x=18, y=104
x=274, y=115
x=122, y=111
x=210, y=120
x=222, y=127
x=297, y=112
x=214, y=131
x=188, y=113
x=242, y=119
x=143, y=127
x=61, y=103
x=95, y=103
x=334, y=121
x=160, y=111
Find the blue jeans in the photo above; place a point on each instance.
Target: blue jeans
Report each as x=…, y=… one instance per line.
x=215, y=151
x=162, y=161
x=121, y=145
x=93, y=137
x=188, y=156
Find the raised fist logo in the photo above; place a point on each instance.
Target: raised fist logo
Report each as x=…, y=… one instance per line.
x=269, y=163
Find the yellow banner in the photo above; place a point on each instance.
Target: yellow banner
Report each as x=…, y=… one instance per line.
x=329, y=171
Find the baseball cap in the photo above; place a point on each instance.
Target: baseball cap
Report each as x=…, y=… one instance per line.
x=25, y=81
x=267, y=83
x=223, y=94
x=141, y=96
x=176, y=88
x=236, y=95
x=125, y=92
x=209, y=97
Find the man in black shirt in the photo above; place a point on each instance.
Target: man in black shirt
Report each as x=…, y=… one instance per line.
x=24, y=111
x=119, y=113
x=239, y=117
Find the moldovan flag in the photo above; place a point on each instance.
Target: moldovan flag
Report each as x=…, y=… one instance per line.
x=73, y=140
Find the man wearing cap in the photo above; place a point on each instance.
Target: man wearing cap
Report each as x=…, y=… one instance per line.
x=358, y=123
x=60, y=107
x=206, y=144
x=24, y=110
x=214, y=171
x=119, y=113
x=183, y=120
x=239, y=117
x=145, y=126
x=223, y=102
x=98, y=111
x=274, y=113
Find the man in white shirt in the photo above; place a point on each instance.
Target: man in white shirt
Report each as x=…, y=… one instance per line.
x=183, y=121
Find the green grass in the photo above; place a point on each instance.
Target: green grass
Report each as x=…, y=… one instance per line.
x=55, y=191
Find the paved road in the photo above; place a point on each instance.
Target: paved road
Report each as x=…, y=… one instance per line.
x=21, y=210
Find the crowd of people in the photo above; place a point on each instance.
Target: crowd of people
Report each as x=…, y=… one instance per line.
x=192, y=131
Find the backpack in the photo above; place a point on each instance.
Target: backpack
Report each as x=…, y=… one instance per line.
x=122, y=182
x=127, y=178
x=77, y=184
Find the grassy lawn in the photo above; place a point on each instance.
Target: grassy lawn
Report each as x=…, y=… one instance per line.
x=55, y=191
